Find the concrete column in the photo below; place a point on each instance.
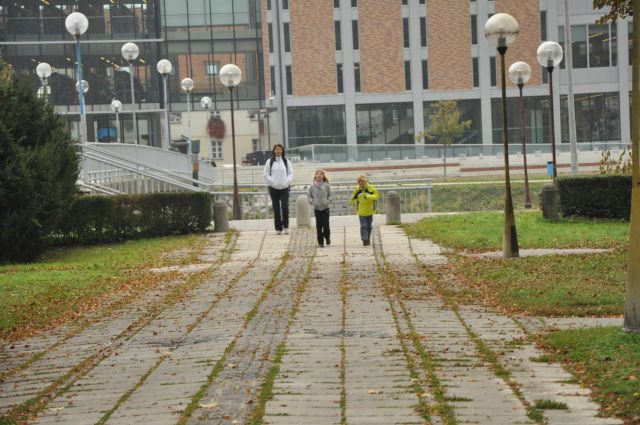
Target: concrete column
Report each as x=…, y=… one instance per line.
x=484, y=52
x=348, y=79
x=220, y=216
x=415, y=10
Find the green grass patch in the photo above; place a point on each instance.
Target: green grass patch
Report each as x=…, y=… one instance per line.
x=483, y=231
x=551, y=405
x=608, y=361
x=69, y=281
x=481, y=197
x=581, y=285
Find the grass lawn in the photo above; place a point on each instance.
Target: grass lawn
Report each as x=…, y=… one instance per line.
x=605, y=359
x=482, y=231
x=484, y=197
x=68, y=281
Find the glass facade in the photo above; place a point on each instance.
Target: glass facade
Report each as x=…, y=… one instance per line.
x=201, y=36
x=597, y=117
x=385, y=123
x=470, y=109
x=593, y=46
x=536, y=119
x=316, y=125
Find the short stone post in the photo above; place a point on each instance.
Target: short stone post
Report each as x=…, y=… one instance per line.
x=303, y=211
x=220, y=216
x=550, y=201
x=392, y=208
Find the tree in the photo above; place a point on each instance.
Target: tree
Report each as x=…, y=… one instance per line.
x=446, y=125
x=621, y=9
x=38, y=169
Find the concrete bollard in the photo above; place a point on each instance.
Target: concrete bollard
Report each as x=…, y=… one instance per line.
x=392, y=208
x=303, y=211
x=220, y=216
x=550, y=202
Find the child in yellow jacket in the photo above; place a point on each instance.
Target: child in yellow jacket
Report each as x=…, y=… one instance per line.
x=364, y=197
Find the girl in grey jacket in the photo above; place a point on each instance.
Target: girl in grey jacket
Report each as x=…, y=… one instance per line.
x=319, y=198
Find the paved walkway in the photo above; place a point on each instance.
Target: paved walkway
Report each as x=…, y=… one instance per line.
x=281, y=330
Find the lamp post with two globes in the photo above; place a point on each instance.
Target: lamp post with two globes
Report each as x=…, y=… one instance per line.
x=230, y=76
x=77, y=24
x=520, y=73
x=501, y=31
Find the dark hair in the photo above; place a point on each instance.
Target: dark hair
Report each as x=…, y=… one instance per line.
x=273, y=152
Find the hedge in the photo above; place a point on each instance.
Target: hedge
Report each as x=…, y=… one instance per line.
x=102, y=219
x=607, y=196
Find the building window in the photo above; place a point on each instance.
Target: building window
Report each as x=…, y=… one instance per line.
x=492, y=71
x=536, y=122
x=476, y=76
x=597, y=117
x=405, y=31
x=268, y=4
x=317, y=125
x=423, y=32
x=270, y=31
x=474, y=30
x=336, y=4
x=630, y=30
x=256, y=145
x=285, y=4
x=425, y=74
x=356, y=76
x=354, y=3
x=385, y=124
x=613, y=41
x=216, y=149
x=272, y=71
x=287, y=38
x=421, y=1
x=211, y=68
x=543, y=25
x=593, y=46
x=599, y=46
x=471, y=110
x=339, y=78
x=405, y=2
x=356, y=38
x=289, y=80
x=338, y=35
x=407, y=75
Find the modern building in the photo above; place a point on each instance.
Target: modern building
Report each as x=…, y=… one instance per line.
x=345, y=72
x=369, y=71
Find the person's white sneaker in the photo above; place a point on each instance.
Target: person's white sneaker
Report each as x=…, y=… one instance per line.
x=278, y=232
x=286, y=231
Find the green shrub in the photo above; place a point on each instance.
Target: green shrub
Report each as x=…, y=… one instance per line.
x=38, y=170
x=607, y=196
x=101, y=219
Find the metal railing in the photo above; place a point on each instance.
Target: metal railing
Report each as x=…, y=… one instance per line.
x=257, y=205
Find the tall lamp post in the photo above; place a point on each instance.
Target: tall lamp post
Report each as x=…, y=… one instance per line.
x=520, y=73
x=130, y=52
x=44, y=72
x=501, y=30
x=270, y=107
x=549, y=56
x=187, y=86
x=230, y=76
x=164, y=68
x=116, y=106
x=77, y=24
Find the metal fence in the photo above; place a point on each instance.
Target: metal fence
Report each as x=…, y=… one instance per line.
x=257, y=205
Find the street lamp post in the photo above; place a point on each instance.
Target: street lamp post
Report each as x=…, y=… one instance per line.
x=271, y=106
x=44, y=72
x=520, y=73
x=230, y=76
x=116, y=106
x=164, y=68
x=187, y=86
x=77, y=24
x=130, y=52
x=549, y=56
x=501, y=31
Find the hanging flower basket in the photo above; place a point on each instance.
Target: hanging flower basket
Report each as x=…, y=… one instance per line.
x=216, y=128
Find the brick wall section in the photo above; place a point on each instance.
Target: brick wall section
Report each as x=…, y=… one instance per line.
x=381, y=62
x=527, y=13
x=449, y=44
x=313, y=47
x=265, y=50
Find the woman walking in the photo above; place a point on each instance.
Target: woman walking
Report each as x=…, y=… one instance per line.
x=278, y=175
x=320, y=198
x=365, y=197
